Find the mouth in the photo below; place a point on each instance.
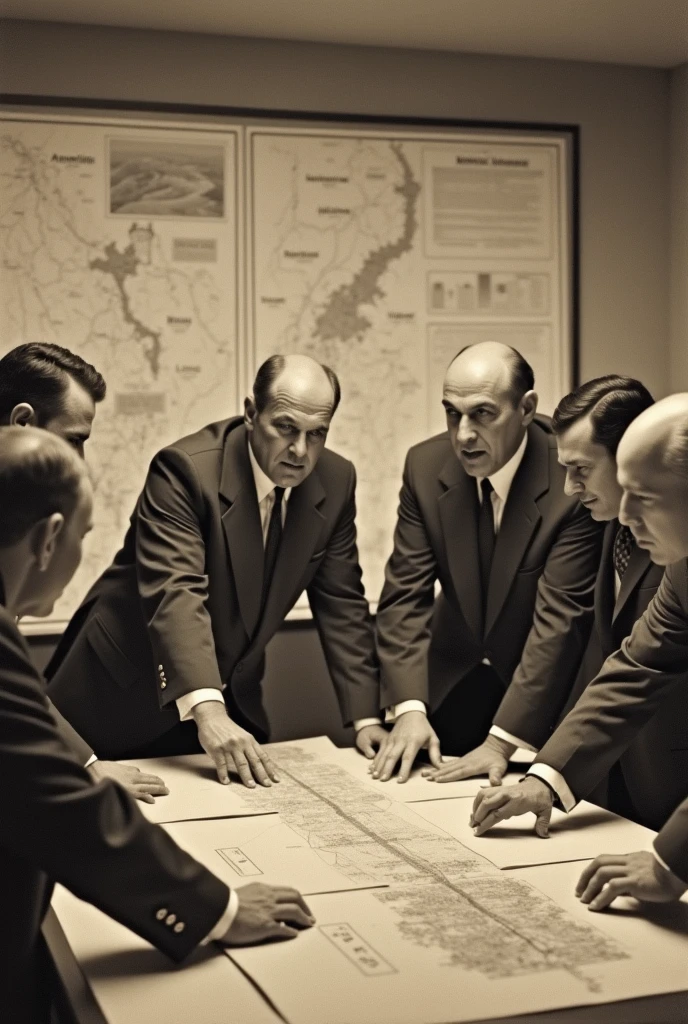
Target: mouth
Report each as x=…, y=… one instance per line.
x=473, y=455
x=293, y=467
x=588, y=501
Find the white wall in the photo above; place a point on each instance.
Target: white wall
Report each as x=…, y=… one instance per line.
x=623, y=113
x=679, y=230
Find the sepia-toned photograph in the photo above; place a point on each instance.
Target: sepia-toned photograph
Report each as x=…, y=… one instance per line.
x=166, y=179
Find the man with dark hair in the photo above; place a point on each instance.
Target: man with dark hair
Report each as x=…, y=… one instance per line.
x=652, y=471
x=49, y=386
x=56, y=825
x=233, y=523
x=482, y=510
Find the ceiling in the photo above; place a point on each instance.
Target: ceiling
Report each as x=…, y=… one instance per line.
x=653, y=33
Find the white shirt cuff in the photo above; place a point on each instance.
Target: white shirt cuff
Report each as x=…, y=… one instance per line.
x=90, y=761
x=361, y=723
x=225, y=921
x=188, y=702
x=558, y=783
x=391, y=714
x=502, y=734
x=663, y=863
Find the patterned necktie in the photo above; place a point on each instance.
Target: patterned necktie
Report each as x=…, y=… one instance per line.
x=272, y=543
x=486, y=537
x=623, y=547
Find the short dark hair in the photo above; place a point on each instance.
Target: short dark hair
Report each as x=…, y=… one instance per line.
x=39, y=475
x=270, y=371
x=522, y=376
x=612, y=402
x=36, y=373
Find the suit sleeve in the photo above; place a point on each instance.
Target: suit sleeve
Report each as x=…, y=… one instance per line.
x=92, y=839
x=405, y=609
x=625, y=694
x=79, y=747
x=342, y=615
x=172, y=579
x=558, y=638
x=672, y=842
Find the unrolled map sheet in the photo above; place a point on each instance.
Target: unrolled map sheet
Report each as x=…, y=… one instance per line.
x=416, y=788
x=581, y=835
x=264, y=848
x=120, y=969
x=196, y=793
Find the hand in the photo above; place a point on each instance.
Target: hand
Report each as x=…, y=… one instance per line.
x=267, y=912
x=231, y=747
x=493, y=805
x=144, y=787
x=491, y=758
x=371, y=737
x=412, y=731
x=628, y=874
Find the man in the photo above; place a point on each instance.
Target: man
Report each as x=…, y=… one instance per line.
x=650, y=779
x=233, y=523
x=56, y=825
x=652, y=463
x=48, y=386
x=483, y=510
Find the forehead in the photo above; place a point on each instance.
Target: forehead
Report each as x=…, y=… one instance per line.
x=576, y=444
x=644, y=473
x=78, y=407
x=477, y=380
x=308, y=408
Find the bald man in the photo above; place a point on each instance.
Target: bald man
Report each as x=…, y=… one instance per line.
x=483, y=511
x=234, y=522
x=652, y=469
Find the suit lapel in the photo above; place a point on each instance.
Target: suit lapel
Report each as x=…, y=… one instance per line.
x=241, y=523
x=604, y=586
x=638, y=565
x=458, y=509
x=520, y=519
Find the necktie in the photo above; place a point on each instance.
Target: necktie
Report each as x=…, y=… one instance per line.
x=272, y=543
x=623, y=546
x=486, y=537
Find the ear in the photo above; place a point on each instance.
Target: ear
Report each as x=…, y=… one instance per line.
x=23, y=415
x=250, y=412
x=529, y=404
x=44, y=539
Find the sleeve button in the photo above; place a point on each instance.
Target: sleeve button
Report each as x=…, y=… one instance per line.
x=162, y=913
x=170, y=919
x=179, y=927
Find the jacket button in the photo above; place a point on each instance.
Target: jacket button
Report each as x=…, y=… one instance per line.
x=160, y=668
x=163, y=684
x=160, y=914
x=179, y=927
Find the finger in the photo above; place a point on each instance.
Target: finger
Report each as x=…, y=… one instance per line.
x=366, y=747
x=495, y=775
x=280, y=930
x=592, y=868
x=292, y=913
x=221, y=767
x=268, y=764
x=487, y=801
x=602, y=876
x=434, y=752
x=406, y=764
x=243, y=770
x=487, y=823
x=394, y=752
x=256, y=766
x=617, y=887
x=286, y=894
x=379, y=758
x=542, y=820
x=144, y=797
x=148, y=780
x=155, y=789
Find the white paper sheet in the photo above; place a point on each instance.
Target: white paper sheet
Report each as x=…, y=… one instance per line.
x=267, y=849
x=584, y=833
x=135, y=984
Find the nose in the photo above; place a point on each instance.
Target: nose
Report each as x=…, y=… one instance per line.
x=626, y=516
x=466, y=430
x=298, y=446
x=571, y=485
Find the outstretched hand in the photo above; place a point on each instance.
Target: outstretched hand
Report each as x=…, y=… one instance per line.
x=494, y=805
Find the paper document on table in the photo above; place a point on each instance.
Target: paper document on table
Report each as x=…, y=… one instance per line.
x=267, y=849
x=584, y=833
x=435, y=952
x=120, y=968
x=417, y=788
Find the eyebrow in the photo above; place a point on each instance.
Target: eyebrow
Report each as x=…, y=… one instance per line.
x=575, y=462
x=486, y=404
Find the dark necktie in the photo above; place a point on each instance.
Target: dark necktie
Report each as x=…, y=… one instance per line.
x=486, y=537
x=623, y=547
x=272, y=543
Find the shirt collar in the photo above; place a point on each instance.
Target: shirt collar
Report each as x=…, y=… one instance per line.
x=264, y=485
x=502, y=480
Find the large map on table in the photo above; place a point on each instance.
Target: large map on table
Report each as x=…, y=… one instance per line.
x=119, y=242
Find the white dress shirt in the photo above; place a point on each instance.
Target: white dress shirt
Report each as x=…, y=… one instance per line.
x=501, y=484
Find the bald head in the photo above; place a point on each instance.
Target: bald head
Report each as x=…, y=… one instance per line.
x=489, y=401
x=652, y=462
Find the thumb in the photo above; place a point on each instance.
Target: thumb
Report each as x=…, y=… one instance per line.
x=366, y=748
x=495, y=775
x=434, y=752
x=542, y=823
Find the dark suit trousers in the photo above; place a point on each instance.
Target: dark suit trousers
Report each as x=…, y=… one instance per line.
x=464, y=717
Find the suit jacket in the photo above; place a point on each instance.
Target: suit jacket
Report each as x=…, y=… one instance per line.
x=179, y=609
x=655, y=765
x=633, y=683
x=540, y=597
x=58, y=826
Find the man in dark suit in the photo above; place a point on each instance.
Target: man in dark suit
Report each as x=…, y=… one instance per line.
x=652, y=466
x=482, y=510
x=652, y=776
x=233, y=523
x=48, y=386
x=57, y=825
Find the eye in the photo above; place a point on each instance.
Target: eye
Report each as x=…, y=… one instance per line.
x=317, y=435
x=452, y=414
